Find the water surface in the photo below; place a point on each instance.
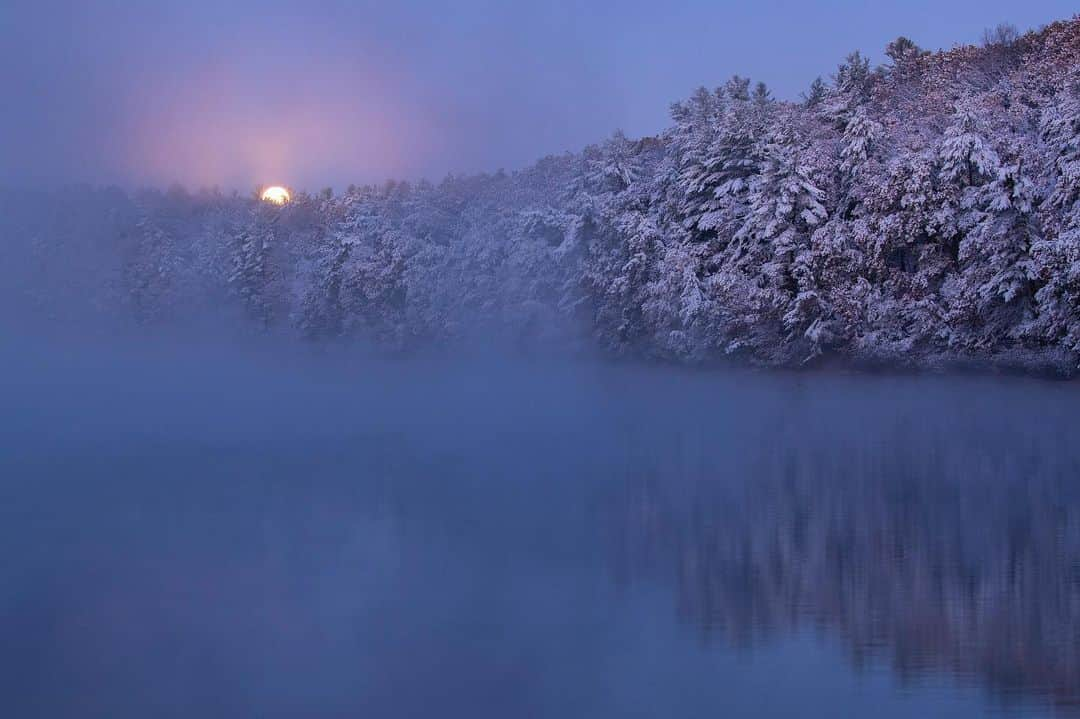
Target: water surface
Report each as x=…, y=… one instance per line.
x=214, y=534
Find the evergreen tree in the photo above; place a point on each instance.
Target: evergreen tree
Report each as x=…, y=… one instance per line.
x=994, y=288
x=860, y=137
x=254, y=277
x=902, y=51
x=1057, y=255
x=852, y=85
x=697, y=124
x=815, y=94
x=785, y=207
x=966, y=156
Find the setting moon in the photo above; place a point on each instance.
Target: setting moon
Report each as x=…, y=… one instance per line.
x=276, y=195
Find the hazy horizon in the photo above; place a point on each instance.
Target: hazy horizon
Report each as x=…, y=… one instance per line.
x=115, y=94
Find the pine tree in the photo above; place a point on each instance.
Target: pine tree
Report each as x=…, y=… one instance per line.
x=966, y=156
x=761, y=95
x=732, y=160
x=738, y=88
x=150, y=272
x=614, y=166
x=1061, y=132
x=902, y=51
x=994, y=293
x=785, y=202
x=815, y=94
x=254, y=278
x=860, y=136
x=785, y=207
x=852, y=86
x=1057, y=254
x=966, y=163
x=697, y=124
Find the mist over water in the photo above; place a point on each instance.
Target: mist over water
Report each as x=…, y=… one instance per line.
x=221, y=529
x=490, y=445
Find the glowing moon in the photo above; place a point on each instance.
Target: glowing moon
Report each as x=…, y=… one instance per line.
x=277, y=195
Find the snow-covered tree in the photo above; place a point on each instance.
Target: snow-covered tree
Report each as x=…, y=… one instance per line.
x=254, y=277
x=994, y=287
x=853, y=82
x=965, y=153
x=785, y=201
x=860, y=136
x=697, y=124
x=916, y=211
x=1057, y=254
x=815, y=94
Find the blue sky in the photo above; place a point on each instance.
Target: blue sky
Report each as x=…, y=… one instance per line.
x=326, y=92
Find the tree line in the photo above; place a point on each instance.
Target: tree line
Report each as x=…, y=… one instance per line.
x=926, y=210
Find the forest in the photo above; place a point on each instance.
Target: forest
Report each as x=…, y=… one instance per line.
x=923, y=213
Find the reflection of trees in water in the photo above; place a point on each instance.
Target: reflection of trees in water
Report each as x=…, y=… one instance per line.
x=939, y=553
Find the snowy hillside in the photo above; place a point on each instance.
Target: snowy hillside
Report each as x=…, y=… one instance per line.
x=921, y=212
